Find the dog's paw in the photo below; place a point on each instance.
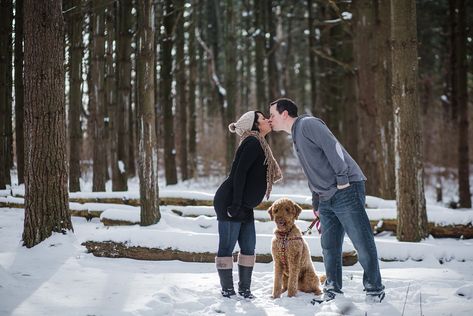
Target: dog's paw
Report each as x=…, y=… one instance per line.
x=291, y=293
x=275, y=295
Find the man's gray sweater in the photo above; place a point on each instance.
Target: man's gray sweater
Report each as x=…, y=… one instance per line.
x=324, y=161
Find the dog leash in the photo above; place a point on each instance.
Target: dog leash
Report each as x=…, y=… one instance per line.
x=316, y=223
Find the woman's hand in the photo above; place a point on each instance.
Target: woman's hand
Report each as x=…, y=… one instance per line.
x=233, y=211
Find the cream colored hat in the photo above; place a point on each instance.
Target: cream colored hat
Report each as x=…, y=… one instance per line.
x=244, y=123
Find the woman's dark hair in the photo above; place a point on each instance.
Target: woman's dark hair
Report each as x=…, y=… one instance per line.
x=255, y=122
x=285, y=104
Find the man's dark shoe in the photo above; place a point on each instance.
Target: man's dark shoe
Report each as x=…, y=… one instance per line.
x=375, y=298
x=325, y=297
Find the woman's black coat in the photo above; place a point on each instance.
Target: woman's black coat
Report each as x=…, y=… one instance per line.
x=245, y=187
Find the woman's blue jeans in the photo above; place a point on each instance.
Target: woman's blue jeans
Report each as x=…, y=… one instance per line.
x=345, y=212
x=230, y=232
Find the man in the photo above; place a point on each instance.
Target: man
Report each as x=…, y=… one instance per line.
x=338, y=192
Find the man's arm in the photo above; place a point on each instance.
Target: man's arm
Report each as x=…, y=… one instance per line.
x=319, y=133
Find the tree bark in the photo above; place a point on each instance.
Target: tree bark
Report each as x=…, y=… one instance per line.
x=312, y=57
x=6, y=17
x=382, y=94
x=19, y=92
x=166, y=77
x=459, y=96
x=412, y=217
x=46, y=193
x=75, y=95
x=119, y=179
x=192, y=93
x=273, y=76
x=148, y=154
x=260, y=55
x=367, y=107
x=124, y=86
x=230, y=81
x=181, y=90
x=97, y=103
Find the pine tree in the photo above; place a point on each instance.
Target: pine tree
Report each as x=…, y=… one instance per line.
x=46, y=194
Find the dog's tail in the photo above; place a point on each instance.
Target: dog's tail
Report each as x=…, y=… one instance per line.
x=322, y=278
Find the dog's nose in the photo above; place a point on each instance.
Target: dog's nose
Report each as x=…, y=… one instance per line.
x=280, y=221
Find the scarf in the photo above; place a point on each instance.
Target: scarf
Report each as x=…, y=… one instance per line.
x=273, y=173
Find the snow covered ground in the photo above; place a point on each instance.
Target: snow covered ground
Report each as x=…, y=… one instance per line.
x=434, y=277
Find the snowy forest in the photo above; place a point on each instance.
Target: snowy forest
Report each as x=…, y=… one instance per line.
x=114, y=140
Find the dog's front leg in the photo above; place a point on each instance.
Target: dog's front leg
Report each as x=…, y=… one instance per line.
x=294, y=270
x=278, y=271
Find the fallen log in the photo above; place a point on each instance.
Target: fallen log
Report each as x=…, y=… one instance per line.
x=111, y=249
x=437, y=231
x=162, y=201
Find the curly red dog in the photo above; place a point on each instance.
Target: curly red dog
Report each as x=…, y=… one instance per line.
x=293, y=268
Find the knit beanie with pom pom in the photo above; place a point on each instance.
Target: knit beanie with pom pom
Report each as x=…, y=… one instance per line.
x=244, y=123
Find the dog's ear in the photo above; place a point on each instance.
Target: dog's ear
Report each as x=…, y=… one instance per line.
x=297, y=210
x=270, y=211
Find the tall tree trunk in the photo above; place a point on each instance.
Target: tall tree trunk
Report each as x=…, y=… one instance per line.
x=119, y=180
x=273, y=76
x=124, y=85
x=6, y=15
x=459, y=97
x=148, y=154
x=75, y=95
x=412, y=217
x=132, y=114
x=181, y=89
x=192, y=93
x=365, y=61
x=19, y=92
x=46, y=194
x=166, y=75
x=382, y=94
x=97, y=104
x=312, y=57
x=260, y=54
x=230, y=80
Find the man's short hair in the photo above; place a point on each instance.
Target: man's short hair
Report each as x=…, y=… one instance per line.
x=285, y=104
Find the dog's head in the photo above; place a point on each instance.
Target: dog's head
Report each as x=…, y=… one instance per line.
x=284, y=212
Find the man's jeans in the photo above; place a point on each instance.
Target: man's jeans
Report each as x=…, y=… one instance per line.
x=345, y=212
x=230, y=232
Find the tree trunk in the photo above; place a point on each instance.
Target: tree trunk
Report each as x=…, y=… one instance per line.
x=312, y=57
x=75, y=95
x=97, y=103
x=19, y=92
x=412, y=217
x=382, y=94
x=124, y=87
x=6, y=15
x=132, y=115
x=273, y=76
x=230, y=80
x=148, y=154
x=166, y=77
x=192, y=93
x=119, y=180
x=181, y=90
x=365, y=62
x=459, y=97
x=46, y=194
x=259, y=38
